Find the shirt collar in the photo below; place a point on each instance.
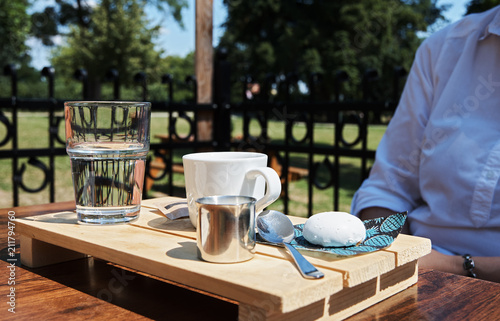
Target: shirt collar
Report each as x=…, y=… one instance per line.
x=493, y=27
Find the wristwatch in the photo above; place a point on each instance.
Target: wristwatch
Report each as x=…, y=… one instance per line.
x=469, y=265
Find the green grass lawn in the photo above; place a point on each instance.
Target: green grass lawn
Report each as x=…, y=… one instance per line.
x=33, y=133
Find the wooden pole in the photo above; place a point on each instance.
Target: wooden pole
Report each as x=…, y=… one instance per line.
x=204, y=66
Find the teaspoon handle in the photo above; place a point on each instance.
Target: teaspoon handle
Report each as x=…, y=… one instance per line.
x=306, y=269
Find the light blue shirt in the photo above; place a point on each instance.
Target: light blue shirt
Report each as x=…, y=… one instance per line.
x=440, y=156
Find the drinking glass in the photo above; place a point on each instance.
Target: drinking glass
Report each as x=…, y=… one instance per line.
x=107, y=142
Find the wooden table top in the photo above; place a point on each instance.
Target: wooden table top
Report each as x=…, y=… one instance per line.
x=90, y=288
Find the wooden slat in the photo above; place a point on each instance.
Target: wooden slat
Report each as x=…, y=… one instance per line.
x=409, y=248
x=37, y=253
x=352, y=300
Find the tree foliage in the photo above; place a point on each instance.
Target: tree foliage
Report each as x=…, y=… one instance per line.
x=48, y=22
x=116, y=37
x=14, y=30
x=115, y=34
x=313, y=36
x=97, y=36
x=476, y=6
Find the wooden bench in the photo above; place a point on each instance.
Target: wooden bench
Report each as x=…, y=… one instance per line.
x=294, y=173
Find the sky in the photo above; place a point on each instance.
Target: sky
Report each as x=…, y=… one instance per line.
x=177, y=41
x=457, y=10
x=173, y=39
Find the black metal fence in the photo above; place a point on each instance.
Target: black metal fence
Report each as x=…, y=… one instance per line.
x=319, y=163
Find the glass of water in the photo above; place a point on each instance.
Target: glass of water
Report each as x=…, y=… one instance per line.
x=107, y=142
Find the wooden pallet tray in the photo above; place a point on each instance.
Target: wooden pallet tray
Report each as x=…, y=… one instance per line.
x=268, y=287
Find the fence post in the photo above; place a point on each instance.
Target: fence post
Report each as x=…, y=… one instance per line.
x=340, y=77
x=48, y=72
x=245, y=81
x=369, y=76
x=140, y=78
x=222, y=98
x=167, y=79
x=10, y=70
x=192, y=80
x=399, y=73
x=268, y=86
x=81, y=75
x=113, y=75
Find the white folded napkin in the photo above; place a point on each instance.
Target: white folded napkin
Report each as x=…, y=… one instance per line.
x=172, y=208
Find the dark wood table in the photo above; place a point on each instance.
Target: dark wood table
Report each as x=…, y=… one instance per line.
x=93, y=289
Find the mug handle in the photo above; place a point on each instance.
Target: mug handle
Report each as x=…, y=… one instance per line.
x=273, y=188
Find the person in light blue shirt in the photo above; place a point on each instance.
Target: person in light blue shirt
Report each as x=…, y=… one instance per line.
x=440, y=156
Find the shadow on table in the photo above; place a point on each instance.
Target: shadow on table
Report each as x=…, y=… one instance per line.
x=186, y=251
x=137, y=294
x=180, y=224
x=62, y=217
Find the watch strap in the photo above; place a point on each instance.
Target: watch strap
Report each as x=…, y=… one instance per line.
x=469, y=265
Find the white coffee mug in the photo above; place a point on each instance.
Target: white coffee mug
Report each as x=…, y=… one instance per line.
x=229, y=173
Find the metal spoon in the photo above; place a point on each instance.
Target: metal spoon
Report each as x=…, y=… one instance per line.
x=276, y=227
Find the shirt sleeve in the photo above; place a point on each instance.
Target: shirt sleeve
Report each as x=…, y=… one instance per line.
x=394, y=179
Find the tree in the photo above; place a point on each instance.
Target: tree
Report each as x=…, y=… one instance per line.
x=47, y=23
x=476, y=6
x=14, y=30
x=114, y=34
x=312, y=36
